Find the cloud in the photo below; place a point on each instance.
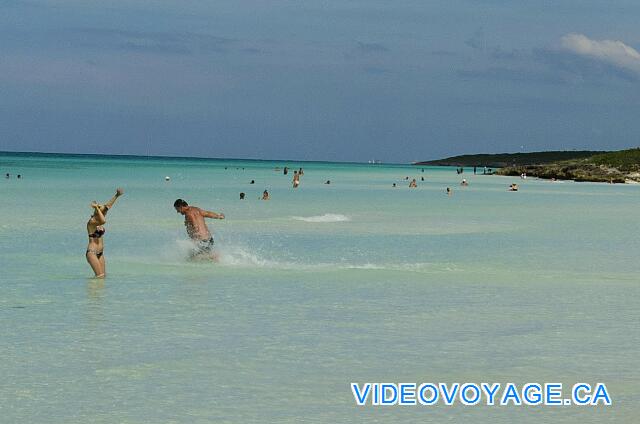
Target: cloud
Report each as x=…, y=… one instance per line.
x=149, y=42
x=371, y=48
x=88, y=40
x=498, y=53
x=575, y=59
x=615, y=53
x=15, y=3
x=375, y=70
x=366, y=51
x=443, y=53
x=477, y=40
x=508, y=74
x=575, y=68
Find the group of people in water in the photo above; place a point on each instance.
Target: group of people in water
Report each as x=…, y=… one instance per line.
x=449, y=191
x=296, y=183
x=463, y=183
x=194, y=221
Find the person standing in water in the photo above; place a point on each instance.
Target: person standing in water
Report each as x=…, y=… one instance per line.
x=95, y=230
x=197, y=228
x=296, y=179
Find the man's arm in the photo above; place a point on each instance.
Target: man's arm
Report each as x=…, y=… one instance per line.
x=209, y=214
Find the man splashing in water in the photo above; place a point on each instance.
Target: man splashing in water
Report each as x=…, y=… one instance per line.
x=197, y=228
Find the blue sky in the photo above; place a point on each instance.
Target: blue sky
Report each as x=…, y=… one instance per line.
x=348, y=80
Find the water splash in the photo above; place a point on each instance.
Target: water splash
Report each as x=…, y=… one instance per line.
x=327, y=217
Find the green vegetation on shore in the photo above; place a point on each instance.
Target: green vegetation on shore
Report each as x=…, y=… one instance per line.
x=501, y=160
x=624, y=160
x=611, y=167
x=616, y=167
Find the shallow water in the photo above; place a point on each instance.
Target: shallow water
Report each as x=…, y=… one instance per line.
x=316, y=288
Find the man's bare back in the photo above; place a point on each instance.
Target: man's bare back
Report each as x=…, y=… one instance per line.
x=194, y=220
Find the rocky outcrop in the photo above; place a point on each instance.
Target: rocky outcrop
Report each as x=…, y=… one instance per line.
x=577, y=171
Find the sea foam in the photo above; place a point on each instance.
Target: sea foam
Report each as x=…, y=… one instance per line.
x=327, y=217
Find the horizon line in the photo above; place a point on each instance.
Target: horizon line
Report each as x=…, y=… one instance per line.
x=122, y=156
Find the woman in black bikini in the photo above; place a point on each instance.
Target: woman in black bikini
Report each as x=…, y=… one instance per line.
x=95, y=229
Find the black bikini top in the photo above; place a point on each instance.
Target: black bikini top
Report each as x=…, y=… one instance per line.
x=99, y=232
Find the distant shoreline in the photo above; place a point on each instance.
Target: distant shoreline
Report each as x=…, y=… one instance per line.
x=621, y=166
x=502, y=160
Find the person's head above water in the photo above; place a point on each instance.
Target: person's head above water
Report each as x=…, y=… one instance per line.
x=242, y=196
x=179, y=205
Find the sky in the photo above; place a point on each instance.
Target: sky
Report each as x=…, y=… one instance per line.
x=345, y=80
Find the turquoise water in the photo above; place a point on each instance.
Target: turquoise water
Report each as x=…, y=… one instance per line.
x=355, y=281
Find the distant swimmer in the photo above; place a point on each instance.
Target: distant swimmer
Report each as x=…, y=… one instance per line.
x=421, y=178
x=300, y=172
x=449, y=191
x=197, y=228
x=19, y=176
x=513, y=187
x=296, y=179
x=285, y=171
x=265, y=195
x=252, y=182
x=464, y=183
x=393, y=185
x=328, y=182
x=242, y=196
x=167, y=178
x=413, y=184
x=95, y=229
x=7, y=175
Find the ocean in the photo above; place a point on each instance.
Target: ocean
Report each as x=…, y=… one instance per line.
x=319, y=287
